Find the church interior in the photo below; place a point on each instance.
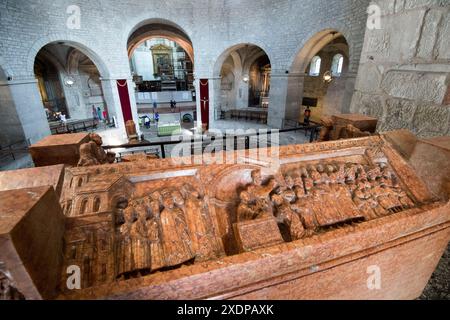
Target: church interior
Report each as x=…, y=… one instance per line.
x=242, y=150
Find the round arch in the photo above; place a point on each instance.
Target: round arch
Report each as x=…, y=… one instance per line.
x=312, y=47
x=227, y=52
x=71, y=41
x=159, y=28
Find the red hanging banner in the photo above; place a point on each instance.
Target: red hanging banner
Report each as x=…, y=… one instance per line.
x=204, y=101
x=125, y=103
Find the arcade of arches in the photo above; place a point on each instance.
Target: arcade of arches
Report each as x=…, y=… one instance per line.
x=278, y=67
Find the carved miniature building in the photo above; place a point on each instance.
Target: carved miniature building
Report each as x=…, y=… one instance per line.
x=304, y=227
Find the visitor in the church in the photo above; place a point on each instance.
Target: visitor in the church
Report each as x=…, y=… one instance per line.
x=155, y=105
x=147, y=122
x=94, y=113
x=63, y=119
x=307, y=116
x=99, y=112
x=157, y=118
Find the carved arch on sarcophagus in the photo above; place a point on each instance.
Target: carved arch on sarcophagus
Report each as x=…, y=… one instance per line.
x=224, y=198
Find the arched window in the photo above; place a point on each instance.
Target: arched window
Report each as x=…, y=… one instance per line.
x=314, y=69
x=68, y=207
x=337, y=65
x=83, y=208
x=96, y=205
x=80, y=182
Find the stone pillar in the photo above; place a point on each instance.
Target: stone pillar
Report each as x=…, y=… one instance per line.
x=242, y=94
x=286, y=94
x=339, y=94
x=215, y=98
x=111, y=95
x=11, y=127
x=24, y=96
x=76, y=105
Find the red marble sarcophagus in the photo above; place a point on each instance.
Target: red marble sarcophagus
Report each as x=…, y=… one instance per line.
x=352, y=219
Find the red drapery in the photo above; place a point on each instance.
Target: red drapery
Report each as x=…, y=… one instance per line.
x=204, y=101
x=124, y=96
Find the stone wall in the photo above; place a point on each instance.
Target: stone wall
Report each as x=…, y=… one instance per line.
x=281, y=28
x=404, y=72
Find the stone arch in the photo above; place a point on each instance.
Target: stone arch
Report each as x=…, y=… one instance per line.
x=340, y=91
x=243, y=56
x=311, y=48
x=224, y=55
x=71, y=41
x=159, y=28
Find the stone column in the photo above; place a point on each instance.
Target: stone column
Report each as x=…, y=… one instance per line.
x=215, y=99
x=339, y=94
x=23, y=95
x=111, y=95
x=286, y=94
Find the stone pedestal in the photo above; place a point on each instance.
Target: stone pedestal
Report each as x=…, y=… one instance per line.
x=31, y=242
x=431, y=159
x=359, y=121
x=58, y=149
x=33, y=177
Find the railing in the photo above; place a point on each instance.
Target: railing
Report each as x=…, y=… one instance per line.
x=76, y=126
x=145, y=147
x=12, y=149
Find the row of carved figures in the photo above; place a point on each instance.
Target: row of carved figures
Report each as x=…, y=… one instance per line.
x=307, y=198
x=165, y=229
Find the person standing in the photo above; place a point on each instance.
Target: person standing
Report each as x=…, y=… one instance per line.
x=307, y=116
x=63, y=119
x=94, y=113
x=155, y=105
x=99, y=112
x=147, y=122
x=157, y=118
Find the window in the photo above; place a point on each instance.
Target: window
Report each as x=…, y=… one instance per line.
x=83, y=208
x=337, y=65
x=68, y=207
x=96, y=205
x=314, y=69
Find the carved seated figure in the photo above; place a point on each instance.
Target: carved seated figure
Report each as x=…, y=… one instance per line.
x=351, y=132
x=255, y=200
x=327, y=126
x=92, y=153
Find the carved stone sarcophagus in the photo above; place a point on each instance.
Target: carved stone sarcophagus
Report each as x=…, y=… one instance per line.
x=349, y=219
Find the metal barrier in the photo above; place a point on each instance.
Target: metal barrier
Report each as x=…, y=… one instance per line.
x=12, y=149
x=205, y=141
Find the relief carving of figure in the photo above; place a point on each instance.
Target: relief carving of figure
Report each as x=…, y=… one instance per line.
x=92, y=153
x=125, y=246
x=286, y=216
x=154, y=235
x=255, y=200
x=140, y=244
x=204, y=242
x=175, y=234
